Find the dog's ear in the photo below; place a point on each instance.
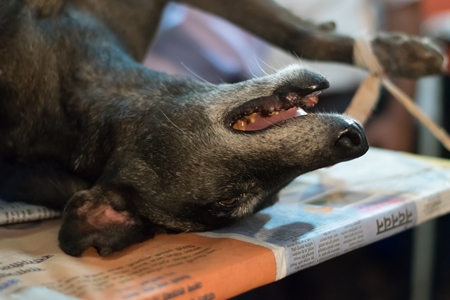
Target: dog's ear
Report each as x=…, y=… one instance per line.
x=101, y=218
x=46, y=8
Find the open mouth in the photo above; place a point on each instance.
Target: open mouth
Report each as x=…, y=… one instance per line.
x=261, y=113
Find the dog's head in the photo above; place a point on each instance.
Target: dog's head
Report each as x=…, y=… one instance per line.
x=206, y=155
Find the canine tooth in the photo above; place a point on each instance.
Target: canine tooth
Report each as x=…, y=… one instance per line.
x=274, y=113
x=240, y=125
x=301, y=112
x=252, y=117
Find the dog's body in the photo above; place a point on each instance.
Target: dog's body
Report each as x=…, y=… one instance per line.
x=134, y=152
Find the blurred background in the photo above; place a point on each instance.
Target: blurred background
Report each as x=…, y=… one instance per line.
x=411, y=265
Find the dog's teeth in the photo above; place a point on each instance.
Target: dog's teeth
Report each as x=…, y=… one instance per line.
x=274, y=113
x=312, y=100
x=301, y=112
x=240, y=125
x=252, y=117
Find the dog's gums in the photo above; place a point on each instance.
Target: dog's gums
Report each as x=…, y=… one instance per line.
x=259, y=120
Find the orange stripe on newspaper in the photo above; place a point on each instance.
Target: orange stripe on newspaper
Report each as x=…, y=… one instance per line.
x=169, y=267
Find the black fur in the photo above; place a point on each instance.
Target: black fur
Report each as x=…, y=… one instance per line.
x=130, y=152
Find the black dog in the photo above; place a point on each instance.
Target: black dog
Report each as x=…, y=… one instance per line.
x=129, y=152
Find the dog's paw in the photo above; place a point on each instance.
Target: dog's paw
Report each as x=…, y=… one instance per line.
x=408, y=56
x=96, y=218
x=327, y=26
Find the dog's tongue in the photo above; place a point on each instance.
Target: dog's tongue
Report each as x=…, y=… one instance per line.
x=262, y=122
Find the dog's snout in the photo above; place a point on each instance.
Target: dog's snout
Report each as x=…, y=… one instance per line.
x=352, y=139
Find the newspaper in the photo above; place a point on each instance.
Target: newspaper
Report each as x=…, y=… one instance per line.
x=321, y=215
x=12, y=213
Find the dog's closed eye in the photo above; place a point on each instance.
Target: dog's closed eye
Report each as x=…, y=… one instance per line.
x=230, y=202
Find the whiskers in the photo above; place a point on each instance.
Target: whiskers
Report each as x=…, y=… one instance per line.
x=257, y=61
x=282, y=62
x=195, y=74
x=170, y=120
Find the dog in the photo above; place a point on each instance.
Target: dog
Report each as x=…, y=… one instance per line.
x=127, y=152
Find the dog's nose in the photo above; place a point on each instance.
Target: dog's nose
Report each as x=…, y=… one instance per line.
x=352, y=138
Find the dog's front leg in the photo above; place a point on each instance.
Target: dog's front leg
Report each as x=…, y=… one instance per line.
x=277, y=25
x=399, y=54
x=102, y=218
